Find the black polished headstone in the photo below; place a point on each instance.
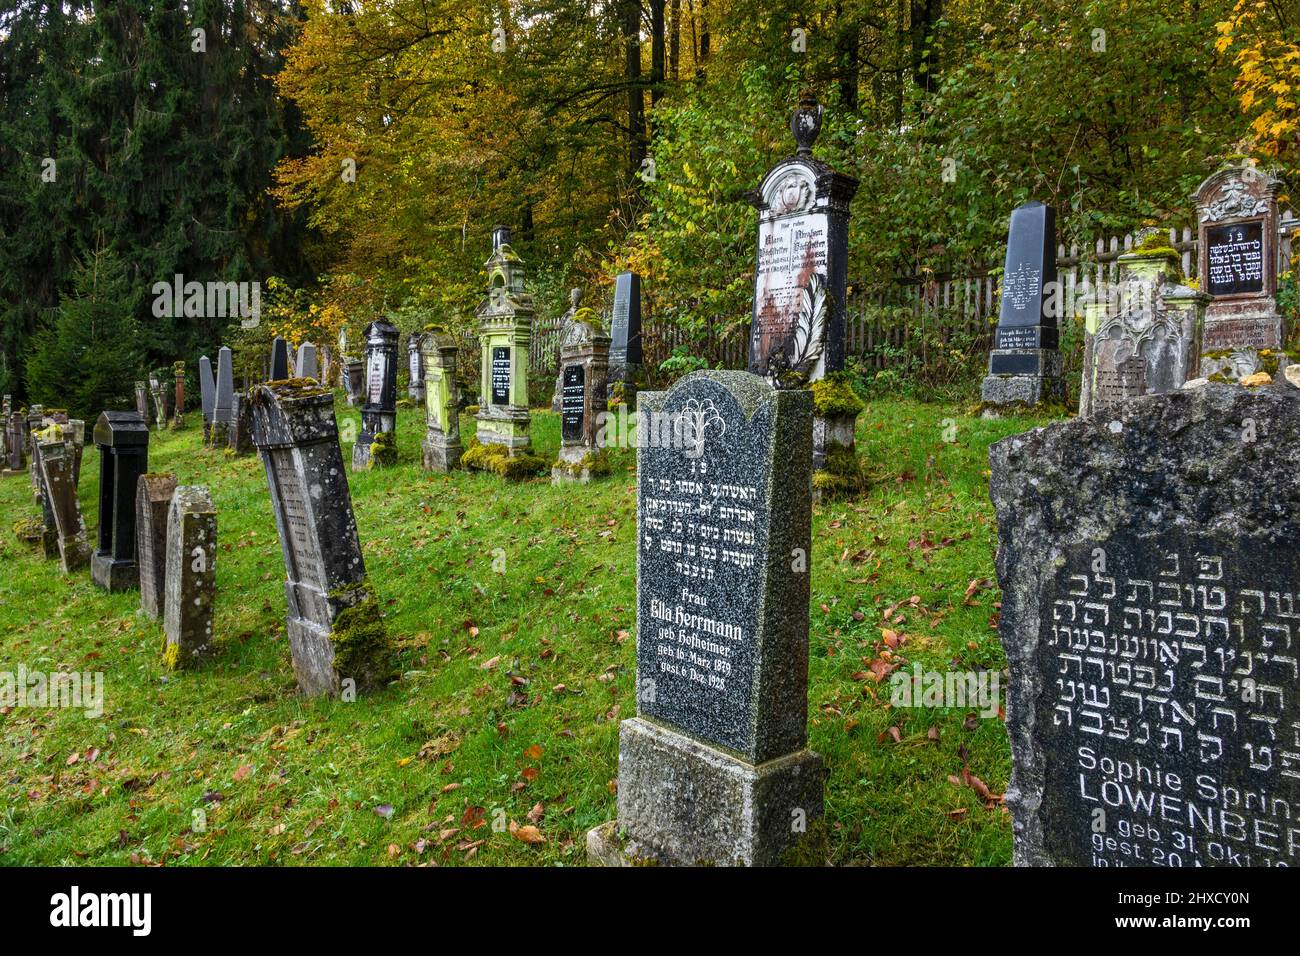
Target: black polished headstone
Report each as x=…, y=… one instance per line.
x=279, y=360
x=122, y=439
x=574, y=402
x=625, y=329
x=500, y=375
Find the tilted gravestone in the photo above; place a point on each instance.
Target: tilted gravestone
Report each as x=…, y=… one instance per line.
x=207, y=396
x=584, y=365
x=1025, y=364
x=505, y=325
x=1145, y=340
x=153, y=497
x=1149, y=559
x=279, y=360
x=354, y=379
x=442, y=448
x=57, y=462
x=240, y=439
x=307, y=364
x=191, y=578
x=715, y=766
x=379, y=413
x=336, y=632
x=1237, y=216
x=122, y=439
x=142, y=402
x=49, y=530
x=223, y=411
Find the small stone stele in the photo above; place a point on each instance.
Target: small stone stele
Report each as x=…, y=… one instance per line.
x=122, y=439
x=441, y=446
x=223, y=412
x=207, y=396
x=715, y=768
x=153, y=498
x=191, y=577
x=1149, y=560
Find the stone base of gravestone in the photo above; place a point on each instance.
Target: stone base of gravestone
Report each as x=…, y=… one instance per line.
x=440, y=453
x=704, y=807
x=113, y=575
x=579, y=464
x=1149, y=558
x=1023, y=377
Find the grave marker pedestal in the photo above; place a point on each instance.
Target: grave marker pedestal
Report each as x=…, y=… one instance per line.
x=505, y=330
x=122, y=439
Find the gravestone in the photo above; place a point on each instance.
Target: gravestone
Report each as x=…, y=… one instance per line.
x=208, y=397
x=715, y=769
x=17, y=443
x=178, y=413
x=584, y=366
x=336, y=632
x=1236, y=212
x=223, y=412
x=49, y=529
x=190, y=582
x=801, y=268
x=159, y=396
x=122, y=439
x=153, y=497
x=625, y=352
x=56, y=462
x=1147, y=340
x=1149, y=560
x=142, y=402
x=279, y=360
x=354, y=378
x=241, y=425
x=442, y=448
x=379, y=413
x=1025, y=363
x=415, y=367
x=75, y=436
x=505, y=325
x=6, y=409
x=566, y=320
x=307, y=365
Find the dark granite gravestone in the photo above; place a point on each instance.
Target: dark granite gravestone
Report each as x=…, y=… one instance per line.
x=1025, y=364
x=1236, y=209
x=336, y=632
x=241, y=425
x=715, y=767
x=279, y=360
x=223, y=412
x=17, y=443
x=191, y=577
x=57, y=460
x=153, y=497
x=379, y=413
x=625, y=353
x=441, y=446
x=1149, y=559
x=801, y=269
x=307, y=364
x=584, y=366
x=207, y=396
x=354, y=378
x=122, y=439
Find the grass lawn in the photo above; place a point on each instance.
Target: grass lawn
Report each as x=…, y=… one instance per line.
x=513, y=686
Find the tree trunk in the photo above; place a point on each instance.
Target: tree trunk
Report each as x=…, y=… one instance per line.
x=656, y=51
x=635, y=91
x=674, y=38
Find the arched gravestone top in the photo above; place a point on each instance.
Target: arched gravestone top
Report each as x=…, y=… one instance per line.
x=120, y=430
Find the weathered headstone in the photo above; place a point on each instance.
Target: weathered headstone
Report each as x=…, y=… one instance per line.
x=336, y=632
x=122, y=439
x=208, y=396
x=307, y=365
x=75, y=436
x=49, y=529
x=241, y=425
x=223, y=412
x=415, y=367
x=1025, y=364
x=159, y=396
x=1146, y=339
x=153, y=497
x=1149, y=560
x=715, y=766
x=279, y=360
x=584, y=365
x=178, y=412
x=505, y=328
x=56, y=461
x=625, y=352
x=6, y=409
x=142, y=402
x=801, y=271
x=442, y=448
x=17, y=442
x=191, y=577
x=566, y=320
x=354, y=380
x=379, y=413
x=1236, y=210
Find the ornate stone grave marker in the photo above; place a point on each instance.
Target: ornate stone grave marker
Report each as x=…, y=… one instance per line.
x=336, y=632
x=142, y=402
x=178, y=415
x=379, y=413
x=584, y=365
x=415, y=367
x=153, y=497
x=1025, y=364
x=122, y=439
x=191, y=577
x=715, y=767
x=442, y=449
x=1149, y=560
x=566, y=320
x=505, y=330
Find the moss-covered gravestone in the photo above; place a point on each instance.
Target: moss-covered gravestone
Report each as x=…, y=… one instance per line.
x=336, y=633
x=191, y=579
x=153, y=497
x=505, y=330
x=122, y=439
x=715, y=768
x=442, y=449
x=584, y=366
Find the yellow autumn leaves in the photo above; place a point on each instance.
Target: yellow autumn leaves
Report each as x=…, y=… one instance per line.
x=1268, y=64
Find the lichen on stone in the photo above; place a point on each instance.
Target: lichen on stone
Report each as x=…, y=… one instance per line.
x=383, y=451
x=363, y=651
x=498, y=460
x=834, y=395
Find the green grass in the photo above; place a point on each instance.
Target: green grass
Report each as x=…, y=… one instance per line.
x=513, y=685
